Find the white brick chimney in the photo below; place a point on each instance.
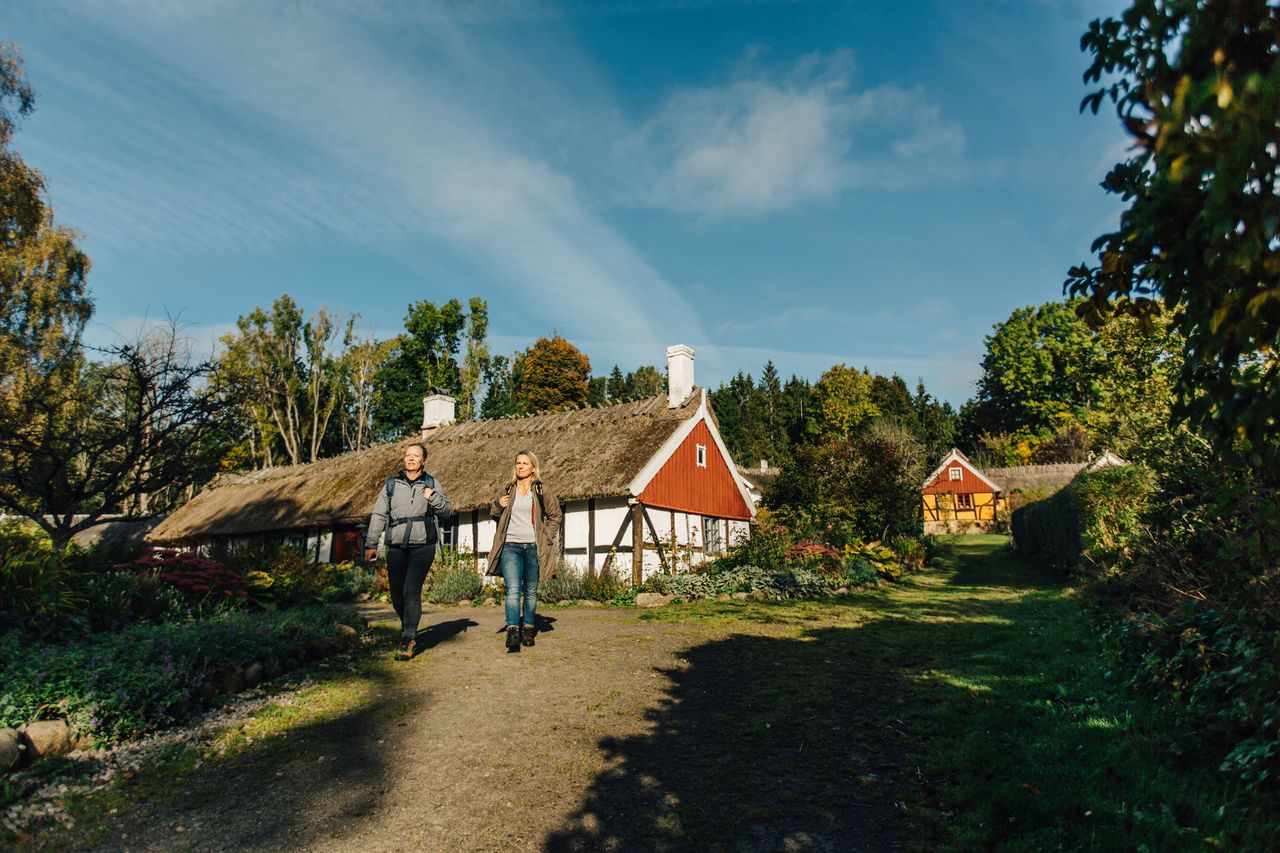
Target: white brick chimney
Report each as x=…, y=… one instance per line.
x=437, y=410
x=679, y=375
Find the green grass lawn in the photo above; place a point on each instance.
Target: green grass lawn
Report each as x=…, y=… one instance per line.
x=1023, y=740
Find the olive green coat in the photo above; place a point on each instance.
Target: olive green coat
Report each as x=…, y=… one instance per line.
x=544, y=531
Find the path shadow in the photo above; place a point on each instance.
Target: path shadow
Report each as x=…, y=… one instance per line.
x=835, y=738
x=292, y=790
x=434, y=635
x=761, y=744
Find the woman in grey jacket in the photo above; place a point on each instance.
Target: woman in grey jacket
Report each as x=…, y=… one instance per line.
x=407, y=509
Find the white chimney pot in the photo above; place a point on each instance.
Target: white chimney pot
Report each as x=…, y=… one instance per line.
x=437, y=410
x=679, y=375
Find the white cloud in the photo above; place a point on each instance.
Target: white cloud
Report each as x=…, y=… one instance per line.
x=285, y=126
x=761, y=144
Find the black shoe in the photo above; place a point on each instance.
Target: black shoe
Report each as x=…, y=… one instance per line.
x=405, y=652
x=526, y=635
x=513, y=638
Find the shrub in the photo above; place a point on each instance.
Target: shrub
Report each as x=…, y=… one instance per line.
x=37, y=592
x=206, y=586
x=565, y=585
x=1088, y=523
x=912, y=553
x=813, y=556
x=453, y=578
x=127, y=684
x=605, y=585
x=348, y=581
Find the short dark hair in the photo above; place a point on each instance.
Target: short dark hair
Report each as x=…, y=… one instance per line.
x=420, y=446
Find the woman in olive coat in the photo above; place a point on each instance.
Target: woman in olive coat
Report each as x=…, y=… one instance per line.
x=524, y=545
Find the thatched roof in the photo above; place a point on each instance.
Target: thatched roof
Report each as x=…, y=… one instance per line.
x=1025, y=478
x=583, y=453
x=757, y=478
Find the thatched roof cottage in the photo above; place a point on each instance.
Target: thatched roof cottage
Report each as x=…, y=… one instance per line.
x=642, y=483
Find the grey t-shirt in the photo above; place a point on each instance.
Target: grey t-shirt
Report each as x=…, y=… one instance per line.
x=520, y=528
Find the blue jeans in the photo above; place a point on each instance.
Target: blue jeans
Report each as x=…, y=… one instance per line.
x=519, y=561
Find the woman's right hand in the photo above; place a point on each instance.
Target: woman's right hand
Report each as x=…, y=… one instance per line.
x=504, y=501
x=370, y=554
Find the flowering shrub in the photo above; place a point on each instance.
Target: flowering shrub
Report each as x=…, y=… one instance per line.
x=815, y=556
x=207, y=584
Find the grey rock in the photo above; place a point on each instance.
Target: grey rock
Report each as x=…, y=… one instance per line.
x=759, y=595
x=590, y=602
x=254, y=674
x=652, y=599
x=11, y=749
x=741, y=596
x=48, y=737
x=723, y=596
x=844, y=590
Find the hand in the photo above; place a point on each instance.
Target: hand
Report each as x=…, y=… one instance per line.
x=427, y=492
x=504, y=501
x=370, y=554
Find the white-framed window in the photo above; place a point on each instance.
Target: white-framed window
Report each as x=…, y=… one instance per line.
x=711, y=542
x=956, y=473
x=702, y=456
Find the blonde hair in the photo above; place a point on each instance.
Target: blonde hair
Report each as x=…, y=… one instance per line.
x=533, y=460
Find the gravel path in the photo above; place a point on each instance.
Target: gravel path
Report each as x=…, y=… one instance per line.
x=612, y=733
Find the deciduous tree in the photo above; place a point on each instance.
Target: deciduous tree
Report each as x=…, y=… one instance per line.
x=1196, y=83
x=554, y=377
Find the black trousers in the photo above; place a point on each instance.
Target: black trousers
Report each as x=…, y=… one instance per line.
x=407, y=570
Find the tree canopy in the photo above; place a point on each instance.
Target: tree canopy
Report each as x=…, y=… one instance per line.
x=555, y=376
x=1196, y=84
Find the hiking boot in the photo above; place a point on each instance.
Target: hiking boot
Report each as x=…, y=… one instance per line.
x=526, y=635
x=513, y=638
x=405, y=652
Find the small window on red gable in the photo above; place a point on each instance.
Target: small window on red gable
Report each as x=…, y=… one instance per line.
x=956, y=473
x=702, y=456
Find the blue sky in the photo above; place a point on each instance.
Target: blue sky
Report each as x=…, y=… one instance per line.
x=873, y=183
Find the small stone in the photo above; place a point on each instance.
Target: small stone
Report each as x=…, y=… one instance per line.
x=844, y=590
x=759, y=595
x=590, y=602
x=11, y=749
x=466, y=602
x=740, y=596
x=254, y=674
x=652, y=599
x=48, y=737
x=723, y=596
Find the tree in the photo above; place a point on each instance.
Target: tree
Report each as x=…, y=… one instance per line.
x=500, y=386
x=868, y=478
x=1196, y=85
x=423, y=362
x=844, y=401
x=123, y=434
x=646, y=381
x=616, y=385
x=362, y=363
x=554, y=377
x=291, y=371
x=475, y=361
x=1037, y=370
x=44, y=303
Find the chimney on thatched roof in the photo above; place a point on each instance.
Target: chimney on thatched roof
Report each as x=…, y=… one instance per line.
x=679, y=375
x=437, y=410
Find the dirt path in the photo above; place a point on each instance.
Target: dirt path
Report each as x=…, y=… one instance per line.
x=613, y=733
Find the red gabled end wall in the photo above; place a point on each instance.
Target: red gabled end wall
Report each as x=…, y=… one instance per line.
x=685, y=487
